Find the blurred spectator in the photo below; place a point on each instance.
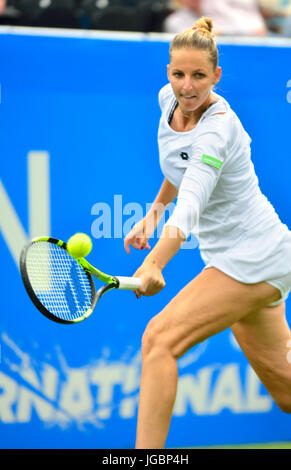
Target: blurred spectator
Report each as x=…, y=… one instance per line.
x=235, y=17
x=230, y=17
x=2, y=6
x=188, y=11
x=277, y=14
x=286, y=29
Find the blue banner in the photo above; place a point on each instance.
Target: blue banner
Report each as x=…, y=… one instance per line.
x=79, y=119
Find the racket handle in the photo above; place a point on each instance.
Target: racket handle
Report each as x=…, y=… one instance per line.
x=130, y=283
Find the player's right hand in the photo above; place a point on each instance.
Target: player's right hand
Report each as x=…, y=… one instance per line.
x=152, y=279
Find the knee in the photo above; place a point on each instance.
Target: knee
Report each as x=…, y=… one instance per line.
x=154, y=341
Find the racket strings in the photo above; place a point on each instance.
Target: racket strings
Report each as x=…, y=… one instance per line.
x=58, y=281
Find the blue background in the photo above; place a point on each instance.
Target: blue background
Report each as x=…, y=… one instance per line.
x=91, y=103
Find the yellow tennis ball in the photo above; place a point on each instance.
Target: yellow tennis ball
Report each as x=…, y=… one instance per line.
x=79, y=245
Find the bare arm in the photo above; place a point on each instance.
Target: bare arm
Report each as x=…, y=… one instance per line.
x=151, y=269
x=166, y=194
x=143, y=230
x=167, y=246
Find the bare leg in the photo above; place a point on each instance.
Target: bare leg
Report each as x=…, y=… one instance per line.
x=264, y=337
x=158, y=389
x=203, y=308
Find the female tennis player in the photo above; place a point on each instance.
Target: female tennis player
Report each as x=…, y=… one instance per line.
x=205, y=158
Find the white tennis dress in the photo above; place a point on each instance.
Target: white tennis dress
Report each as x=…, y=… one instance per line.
x=219, y=199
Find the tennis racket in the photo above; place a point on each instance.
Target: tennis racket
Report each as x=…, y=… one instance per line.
x=62, y=287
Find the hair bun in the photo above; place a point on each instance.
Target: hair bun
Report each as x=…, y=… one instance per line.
x=205, y=25
x=200, y=37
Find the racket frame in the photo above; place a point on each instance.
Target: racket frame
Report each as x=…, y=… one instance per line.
x=112, y=282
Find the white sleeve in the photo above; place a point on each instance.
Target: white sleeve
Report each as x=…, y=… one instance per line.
x=200, y=179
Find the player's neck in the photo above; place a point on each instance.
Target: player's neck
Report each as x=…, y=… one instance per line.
x=184, y=120
x=187, y=120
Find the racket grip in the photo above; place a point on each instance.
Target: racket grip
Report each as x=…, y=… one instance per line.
x=130, y=283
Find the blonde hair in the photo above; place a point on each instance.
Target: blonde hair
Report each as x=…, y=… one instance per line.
x=200, y=36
